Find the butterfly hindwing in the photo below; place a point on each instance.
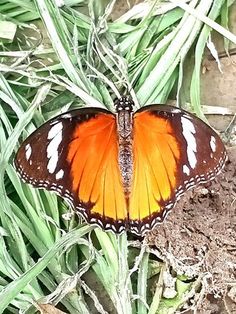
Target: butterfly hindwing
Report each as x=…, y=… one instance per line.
x=172, y=151
x=76, y=155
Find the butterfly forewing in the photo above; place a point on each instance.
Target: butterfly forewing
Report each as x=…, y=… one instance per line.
x=75, y=154
x=172, y=151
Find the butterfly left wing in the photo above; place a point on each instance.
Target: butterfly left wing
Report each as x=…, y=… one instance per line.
x=172, y=151
x=76, y=155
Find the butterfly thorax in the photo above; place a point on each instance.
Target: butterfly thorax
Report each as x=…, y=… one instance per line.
x=124, y=119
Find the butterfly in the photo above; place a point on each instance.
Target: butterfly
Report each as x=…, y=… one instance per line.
x=122, y=170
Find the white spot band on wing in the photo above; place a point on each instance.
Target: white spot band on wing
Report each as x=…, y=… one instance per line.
x=28, y=151
x=59, y=174
x=54, y=130
x=188, y=132
x=55, y=134
x=213, y=143
x=186, y=170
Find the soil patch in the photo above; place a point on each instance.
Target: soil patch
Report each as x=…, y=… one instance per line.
x=199, y=238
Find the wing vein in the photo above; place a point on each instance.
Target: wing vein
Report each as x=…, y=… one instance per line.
x=150, y=165
x=105, y=149
x=160, y=152
x=148, y=197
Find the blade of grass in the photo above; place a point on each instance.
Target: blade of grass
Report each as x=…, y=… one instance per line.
x=142, y=284
x=158, y=293
x=124, y=285
x=199, y=50
x=168, y=60
x=224, y=16
x=53, y=21
x=207, y=20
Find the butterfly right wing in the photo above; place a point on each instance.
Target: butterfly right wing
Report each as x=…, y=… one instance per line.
x=76, y=155
x=173, y=151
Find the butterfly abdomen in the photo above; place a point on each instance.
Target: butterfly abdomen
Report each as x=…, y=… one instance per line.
x=124, y=108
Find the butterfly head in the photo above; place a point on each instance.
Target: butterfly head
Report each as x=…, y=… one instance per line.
x=124, y=103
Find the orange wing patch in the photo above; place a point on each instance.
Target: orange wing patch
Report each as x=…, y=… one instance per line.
x=155, y=155
x=93, y=155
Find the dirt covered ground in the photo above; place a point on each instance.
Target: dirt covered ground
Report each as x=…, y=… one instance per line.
x=198, y=238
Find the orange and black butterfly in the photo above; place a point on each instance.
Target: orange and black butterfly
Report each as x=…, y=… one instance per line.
x=122, y=170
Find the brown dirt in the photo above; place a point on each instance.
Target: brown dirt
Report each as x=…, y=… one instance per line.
x=199, y=238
